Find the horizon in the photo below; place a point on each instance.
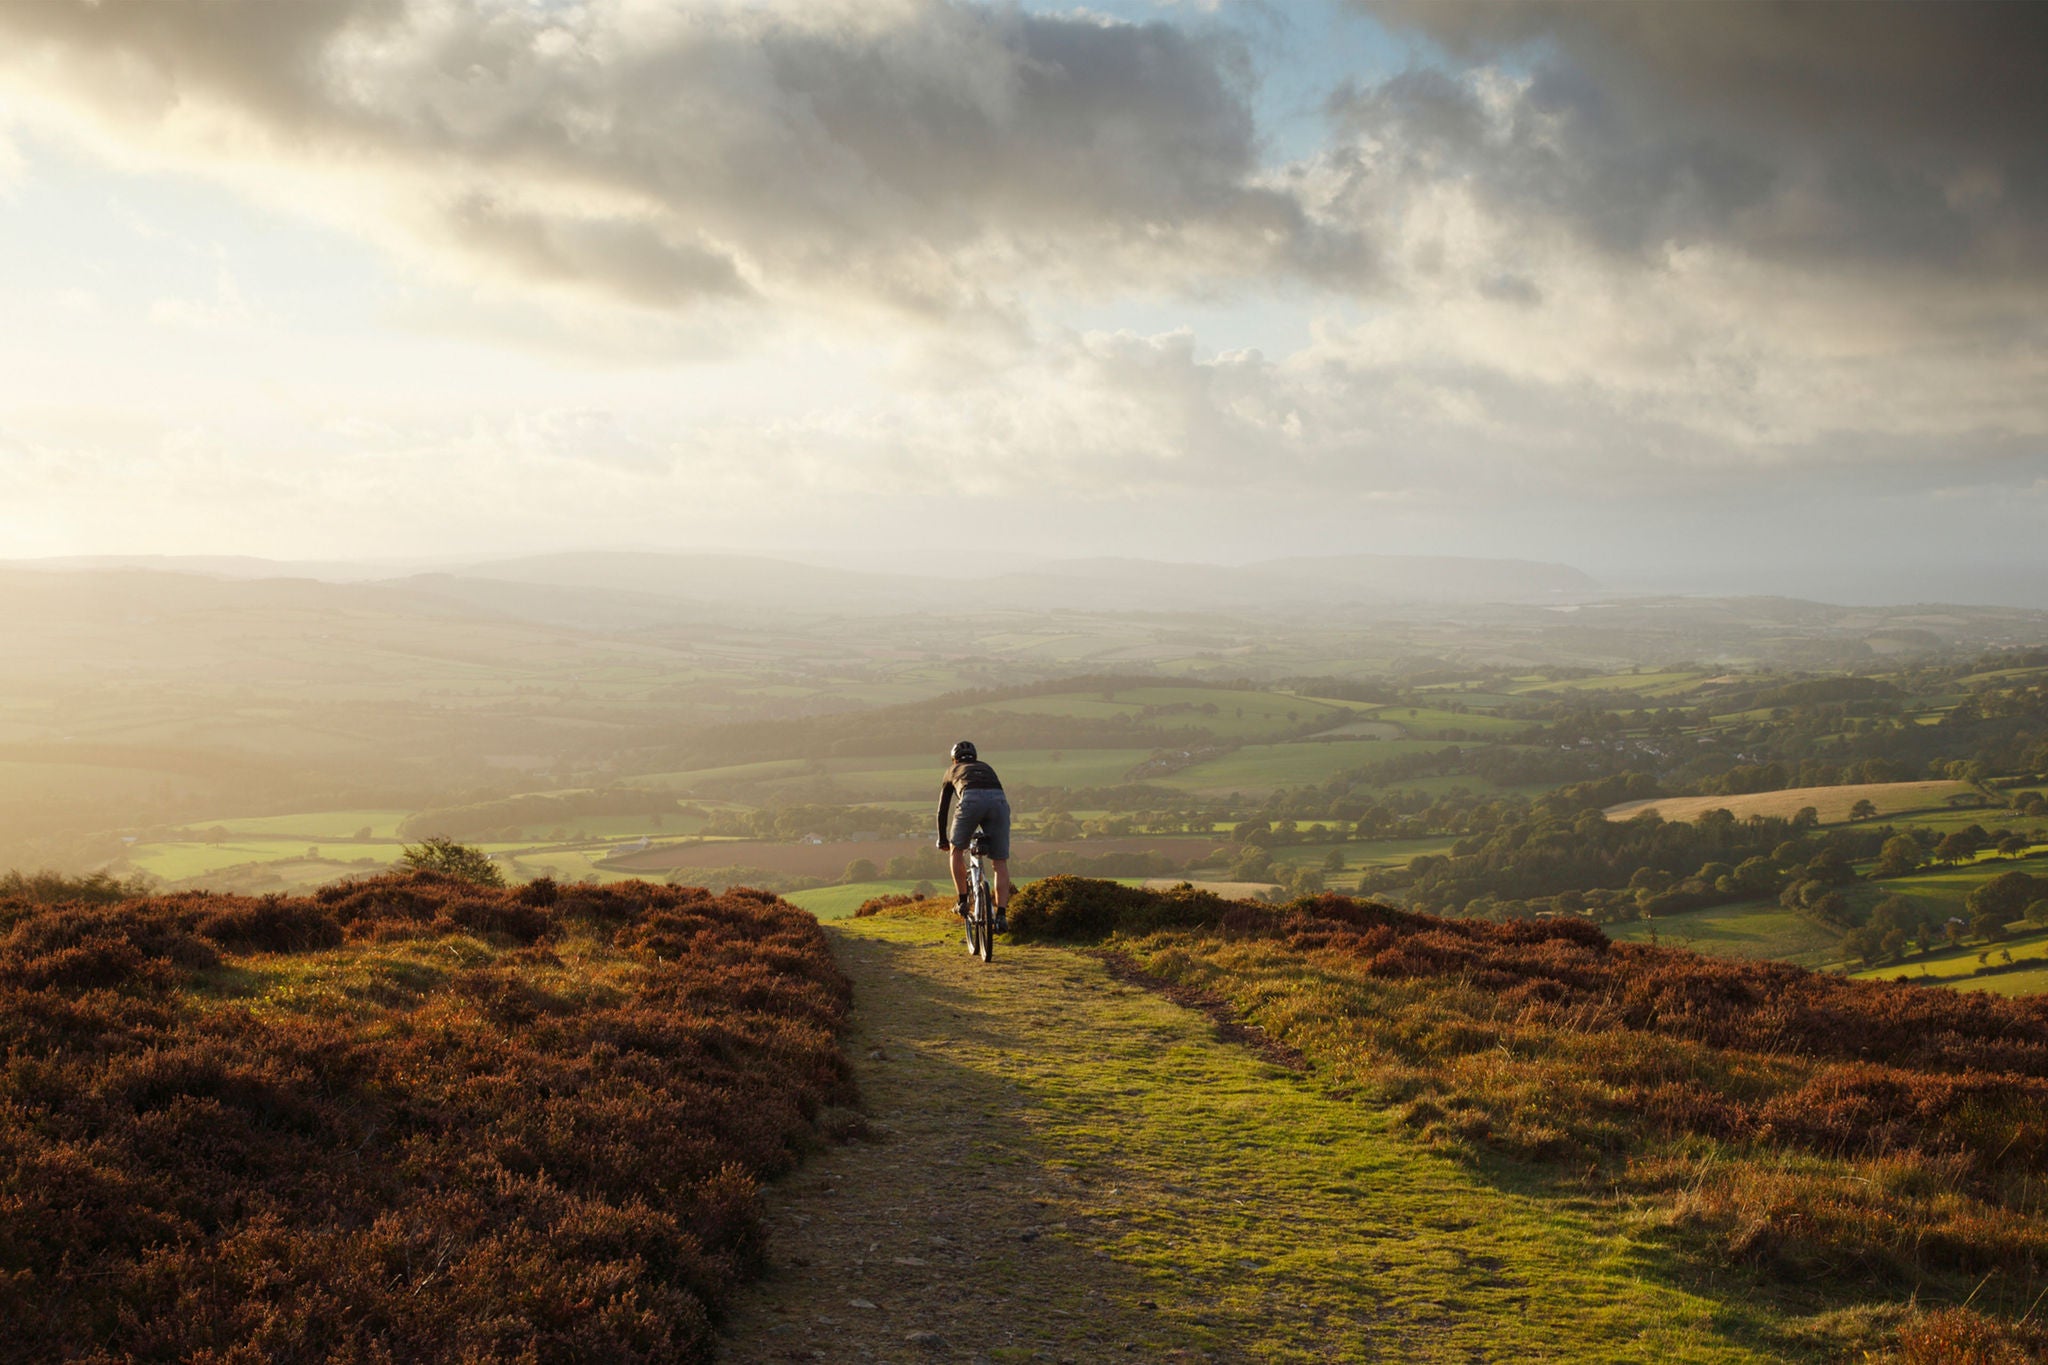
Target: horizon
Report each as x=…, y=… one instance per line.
x=2024, y=595
x=1692, y=299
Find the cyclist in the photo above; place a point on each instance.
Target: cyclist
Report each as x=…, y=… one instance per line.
x=973, y=795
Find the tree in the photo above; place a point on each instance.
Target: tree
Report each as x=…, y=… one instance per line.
x=1988, y=923
x=1900, y=855
x=2005, y=896
x=2012, y=846
x=1303, y=881
x=1864, y=809
x=1955, y=848
x=1252, y=865
x=861, y=870
x=437, y=853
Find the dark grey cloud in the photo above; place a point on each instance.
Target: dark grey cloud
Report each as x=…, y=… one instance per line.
x=923, y=153
x=1900, y=134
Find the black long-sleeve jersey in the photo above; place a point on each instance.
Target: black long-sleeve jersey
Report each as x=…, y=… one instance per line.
x=964, y=777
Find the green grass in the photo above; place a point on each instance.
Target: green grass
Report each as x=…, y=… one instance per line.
x=311, y=826
x=1238, y=715
x=1263, y=767
x=177, y=862
x=838, y=902
x=1241, y=1208
x=1942, y=890
x=1958, y=966
x=1754, y=929
x=1659, y=685
x=2032, y=981
x=1424, y=723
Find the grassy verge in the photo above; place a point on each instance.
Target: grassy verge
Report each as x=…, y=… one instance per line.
x=1826, y=1152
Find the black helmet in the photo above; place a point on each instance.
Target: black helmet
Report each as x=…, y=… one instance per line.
x=963, y=752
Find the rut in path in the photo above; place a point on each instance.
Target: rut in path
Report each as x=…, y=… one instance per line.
x=1065, y=1167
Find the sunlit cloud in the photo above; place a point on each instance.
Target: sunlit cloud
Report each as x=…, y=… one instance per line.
x=624, y=267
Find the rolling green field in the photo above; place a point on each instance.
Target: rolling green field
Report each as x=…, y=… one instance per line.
x=1264, y=767
x=1957, y=967
x=1942, y=889
x=328, y=824
x=1658, y=685
x=1831, y=804
x=179, y=862
x=837, y=902
x=1426, y=723
x=1754, y=929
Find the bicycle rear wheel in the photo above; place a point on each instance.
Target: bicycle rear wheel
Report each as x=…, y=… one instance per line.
x=985, y=915
x=972, y=917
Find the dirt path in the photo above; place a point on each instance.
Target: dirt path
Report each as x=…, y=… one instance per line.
x=1068, y=1168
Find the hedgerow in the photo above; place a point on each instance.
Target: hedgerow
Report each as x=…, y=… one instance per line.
x=530, y=1128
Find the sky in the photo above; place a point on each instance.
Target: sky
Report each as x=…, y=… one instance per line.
x=1693, y=297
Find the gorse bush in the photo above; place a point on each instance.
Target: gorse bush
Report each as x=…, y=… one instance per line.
x=406, y=1119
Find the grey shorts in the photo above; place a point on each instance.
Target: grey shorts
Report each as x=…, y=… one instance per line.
x=987, y=811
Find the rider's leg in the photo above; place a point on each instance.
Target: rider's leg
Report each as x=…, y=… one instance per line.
x=1002, y=882
x=959, y=872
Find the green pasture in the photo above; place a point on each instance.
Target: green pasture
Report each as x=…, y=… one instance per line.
x=1262, y=767
x=2031, y=981
x=1753, y=929
x=181, y=861
x=564, y=865
x=1484, y=700
x=312, y=825
x=1661, y=685
x=1364, y=729
x=837, y=902
x=689, y=782
x=617, y=828
x=1426, y=723
x=1942, y=889
x=1238, y=715
x=1956, y=967
x=1952, y=965
x=1949, y=819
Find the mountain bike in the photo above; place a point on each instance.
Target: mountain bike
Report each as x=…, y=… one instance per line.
x=981, y=905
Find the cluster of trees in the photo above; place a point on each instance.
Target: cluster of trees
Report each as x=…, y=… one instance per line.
x=510, y=817
x=1896, y=924
x=1614, y=869
x=791, y=822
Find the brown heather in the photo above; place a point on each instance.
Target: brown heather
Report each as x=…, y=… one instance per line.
x=407, y=1119
x=1880, y=1138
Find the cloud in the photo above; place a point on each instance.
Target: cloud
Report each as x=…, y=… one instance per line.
x=926, y=155
x=1900, y=136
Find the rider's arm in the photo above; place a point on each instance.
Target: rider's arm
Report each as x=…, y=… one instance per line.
x=945, y=806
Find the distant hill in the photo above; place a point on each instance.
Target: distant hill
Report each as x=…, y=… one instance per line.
x=1106, y=584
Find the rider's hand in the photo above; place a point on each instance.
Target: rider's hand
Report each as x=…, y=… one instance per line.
x=943, y=845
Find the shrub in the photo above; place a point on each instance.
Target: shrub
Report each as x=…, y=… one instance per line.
x=521, y=1162
x=1085, y=910
x=440, y=854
